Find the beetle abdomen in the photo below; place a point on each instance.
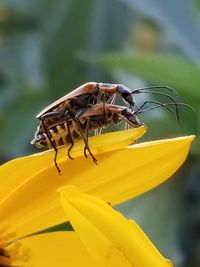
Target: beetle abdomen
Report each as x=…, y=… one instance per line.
x=59, y=136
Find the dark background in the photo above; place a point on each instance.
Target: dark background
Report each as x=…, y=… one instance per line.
x=48, y=48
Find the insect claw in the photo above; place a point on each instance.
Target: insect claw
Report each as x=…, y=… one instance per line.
x=58, y=169
x=69, y=150
x=85, y=152
x=95, y=160
x=69, y=156
x=55, y=161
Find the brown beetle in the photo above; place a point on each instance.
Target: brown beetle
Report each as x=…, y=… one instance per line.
x=90, y=94
x=79, y=100
x=87, y=94
x=65, y=129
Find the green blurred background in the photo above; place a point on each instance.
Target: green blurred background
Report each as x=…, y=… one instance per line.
x=48, y=48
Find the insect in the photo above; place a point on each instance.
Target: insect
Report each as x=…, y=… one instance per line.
x=69, y=112
x=65, y=129
x=92, y=93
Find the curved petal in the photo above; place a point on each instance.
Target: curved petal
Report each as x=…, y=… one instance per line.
x=140, y=168
x=28, y=185
x=106, y=233
x=119, y=176
x=49, y=250
x=19, y=171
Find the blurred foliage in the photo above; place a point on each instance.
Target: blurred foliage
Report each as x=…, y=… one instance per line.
x=48, y=48
x=166, y=70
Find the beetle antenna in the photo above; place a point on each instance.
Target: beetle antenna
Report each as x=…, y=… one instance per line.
x=140, y=111
x=168, y=104
x=137, y=91
x=148, y=90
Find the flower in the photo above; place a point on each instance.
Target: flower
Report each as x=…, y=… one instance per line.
x=48, y=250
x=110, y=238
x=20, y=207
x=29, y=202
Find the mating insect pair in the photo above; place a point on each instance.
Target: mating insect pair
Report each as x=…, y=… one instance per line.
x=91, y=107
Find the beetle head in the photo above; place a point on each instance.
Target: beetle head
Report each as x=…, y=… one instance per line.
x=126, y=94
x=130, y=115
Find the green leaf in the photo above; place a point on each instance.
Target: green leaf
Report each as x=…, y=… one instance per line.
x=165, y=69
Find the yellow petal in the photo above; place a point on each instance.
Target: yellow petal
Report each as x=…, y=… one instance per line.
x=140, y=168
x=120, y=175
x=28, y=185
x=56, y=249
x=106, y=233
x=16, y=172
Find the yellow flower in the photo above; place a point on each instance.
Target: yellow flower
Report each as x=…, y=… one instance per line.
x=28, y=185
x=28, y=195
x=110, y=239
x=56, y=249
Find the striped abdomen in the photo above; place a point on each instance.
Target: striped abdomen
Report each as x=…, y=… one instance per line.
x=59, y=136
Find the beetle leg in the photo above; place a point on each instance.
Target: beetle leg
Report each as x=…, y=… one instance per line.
x=43, y=118
x=113, y=99
x=96, y=93
x=70, y=136
x=100, y=130
x=76, y=118
x=86, y=136
x=104, y=109
x=126, y=126
x=96, y=132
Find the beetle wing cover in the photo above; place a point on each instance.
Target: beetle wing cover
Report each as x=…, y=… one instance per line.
x=93, y=111
x=85, y=88
x=98, y=109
